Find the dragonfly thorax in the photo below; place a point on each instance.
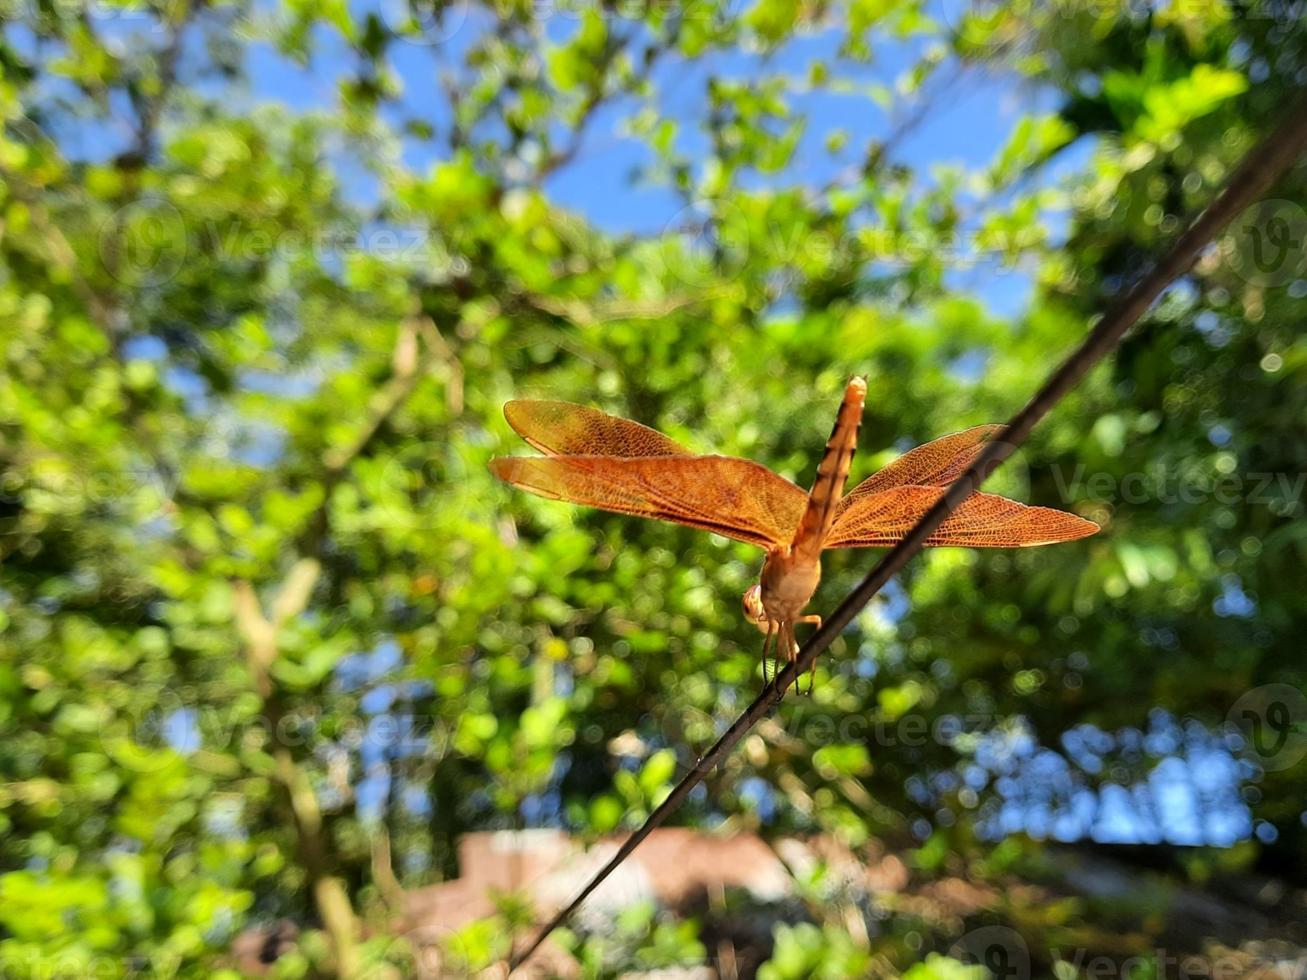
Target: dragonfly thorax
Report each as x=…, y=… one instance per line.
x=787, y=585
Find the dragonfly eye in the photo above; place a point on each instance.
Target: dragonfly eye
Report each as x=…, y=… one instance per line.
x=752, y=602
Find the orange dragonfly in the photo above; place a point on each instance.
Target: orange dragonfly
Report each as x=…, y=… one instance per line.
x=599, y=460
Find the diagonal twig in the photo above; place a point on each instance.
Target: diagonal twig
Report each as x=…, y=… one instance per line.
x=1260, y=169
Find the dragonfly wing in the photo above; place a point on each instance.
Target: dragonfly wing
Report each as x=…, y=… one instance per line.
x=564, y=429
x=736, y=498
x=985, y=520
x=936, y=464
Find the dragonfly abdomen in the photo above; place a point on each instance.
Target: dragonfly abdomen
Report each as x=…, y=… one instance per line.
x=832, y=472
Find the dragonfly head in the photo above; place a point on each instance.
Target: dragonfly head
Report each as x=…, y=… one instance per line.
x=753, y=610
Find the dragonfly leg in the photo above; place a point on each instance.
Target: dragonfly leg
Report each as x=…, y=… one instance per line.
x=791, y=647
x=767, y=641
x=815, y=620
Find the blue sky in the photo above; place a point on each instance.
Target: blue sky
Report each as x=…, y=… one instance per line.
x=967, y=125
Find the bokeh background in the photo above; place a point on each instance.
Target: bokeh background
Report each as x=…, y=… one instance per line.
x=274, y=642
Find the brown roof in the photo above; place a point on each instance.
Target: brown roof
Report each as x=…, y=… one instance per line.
x=673, y=866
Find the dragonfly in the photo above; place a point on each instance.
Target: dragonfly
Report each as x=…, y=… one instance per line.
x=613, y=464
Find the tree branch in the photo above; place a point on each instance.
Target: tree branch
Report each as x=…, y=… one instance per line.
x=259, y=633
x=330, y=896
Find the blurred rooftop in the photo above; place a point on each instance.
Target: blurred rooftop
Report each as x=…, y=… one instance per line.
x=740, y=886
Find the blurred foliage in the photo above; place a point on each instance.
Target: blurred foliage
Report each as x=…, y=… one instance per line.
x=263, y=606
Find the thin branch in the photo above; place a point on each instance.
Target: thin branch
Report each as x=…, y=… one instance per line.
x=407, y=373
x=259, y=633
x=1261, y=168
x=63, y=257
x=391, y=397
x=881, y=153
x=150, y=107
x=560, y=158
x=597, y=98
x=440, y=347
x=383, y=872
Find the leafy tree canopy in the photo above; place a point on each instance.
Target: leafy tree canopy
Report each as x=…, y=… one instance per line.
x=264, y=608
